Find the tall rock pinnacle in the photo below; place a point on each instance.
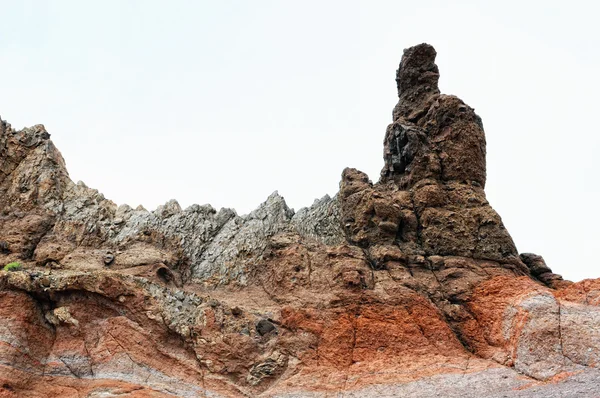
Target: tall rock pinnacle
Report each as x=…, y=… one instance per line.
x=433, y=135
x=417, y=78
x=430, y=200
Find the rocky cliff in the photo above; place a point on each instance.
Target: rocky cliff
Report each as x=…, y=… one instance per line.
x=410, y=286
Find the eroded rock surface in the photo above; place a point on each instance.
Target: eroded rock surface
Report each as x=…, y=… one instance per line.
x=409, y=286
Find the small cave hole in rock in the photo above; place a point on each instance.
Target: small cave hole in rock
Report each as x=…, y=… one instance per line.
x=164, y=275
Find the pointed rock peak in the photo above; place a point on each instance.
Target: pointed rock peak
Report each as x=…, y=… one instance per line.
x=433, y=136
x=169, y=209
x=417, y=68
x=416, y=78
x=275, y=206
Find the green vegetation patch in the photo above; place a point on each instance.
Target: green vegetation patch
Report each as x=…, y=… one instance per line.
x=14, y=266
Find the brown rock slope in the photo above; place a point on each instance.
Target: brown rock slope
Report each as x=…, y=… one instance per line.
x=407, y=287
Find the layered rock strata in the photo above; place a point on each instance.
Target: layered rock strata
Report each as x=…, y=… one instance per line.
x=410, y=286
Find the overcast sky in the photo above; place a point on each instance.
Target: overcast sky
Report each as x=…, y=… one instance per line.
x=224, y=102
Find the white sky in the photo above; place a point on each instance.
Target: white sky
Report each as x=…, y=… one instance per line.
x=224, y=102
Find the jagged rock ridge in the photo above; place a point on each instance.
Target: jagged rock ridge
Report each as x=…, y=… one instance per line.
x=74, y=227
x=388, y=289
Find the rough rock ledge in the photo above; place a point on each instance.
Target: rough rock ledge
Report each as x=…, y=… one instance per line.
x=410, y=286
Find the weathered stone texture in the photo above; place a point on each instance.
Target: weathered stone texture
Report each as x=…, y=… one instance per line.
x=409, y=286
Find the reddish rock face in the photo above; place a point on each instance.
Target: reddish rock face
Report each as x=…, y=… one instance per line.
x=410, y=286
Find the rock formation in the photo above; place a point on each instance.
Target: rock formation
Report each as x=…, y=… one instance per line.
x=410, y=286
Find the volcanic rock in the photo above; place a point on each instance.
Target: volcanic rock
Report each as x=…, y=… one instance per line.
x=408, y=286
x=264, y=326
